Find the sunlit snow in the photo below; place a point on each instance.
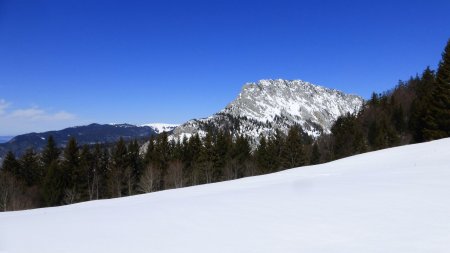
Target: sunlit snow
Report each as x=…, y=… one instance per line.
x=393, y=200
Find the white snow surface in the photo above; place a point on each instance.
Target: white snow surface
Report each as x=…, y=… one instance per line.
x=295, y=99
x=393, y=200
x=161, y=127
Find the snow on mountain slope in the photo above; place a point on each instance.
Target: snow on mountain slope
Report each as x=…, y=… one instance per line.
x=298, y=100
x=393, y=200
x=267, y=105
x=161, y=127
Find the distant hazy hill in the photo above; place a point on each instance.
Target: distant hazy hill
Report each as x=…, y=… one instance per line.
x=90, y=134
x=4, y=139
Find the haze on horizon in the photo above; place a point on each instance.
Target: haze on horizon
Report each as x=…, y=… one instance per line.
x=67, y=63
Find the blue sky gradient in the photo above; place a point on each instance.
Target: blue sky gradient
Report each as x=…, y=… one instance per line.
x=73, y=62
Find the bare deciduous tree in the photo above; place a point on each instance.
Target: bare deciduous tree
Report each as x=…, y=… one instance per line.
x=70, y=195
x=250, y=169
x=12, y=194
x=6, y=190
x=149, y=179
x=175, y=174
x=230, y=170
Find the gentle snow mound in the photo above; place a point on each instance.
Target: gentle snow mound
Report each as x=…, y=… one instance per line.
x=394, y=200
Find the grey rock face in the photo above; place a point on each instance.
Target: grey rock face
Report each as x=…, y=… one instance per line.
x=268, y=105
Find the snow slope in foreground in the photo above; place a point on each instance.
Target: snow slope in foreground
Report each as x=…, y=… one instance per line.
x=394, y=200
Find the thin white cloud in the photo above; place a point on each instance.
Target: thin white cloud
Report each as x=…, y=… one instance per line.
x=63, y=115
x=30, y=113
x=3, y=106
x=36, y=113
x=33, y=119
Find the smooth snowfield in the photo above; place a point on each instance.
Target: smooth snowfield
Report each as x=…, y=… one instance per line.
x=394, y=200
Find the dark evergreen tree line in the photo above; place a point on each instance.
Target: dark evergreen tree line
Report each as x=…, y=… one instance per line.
x=82, y=173
x=414, y=111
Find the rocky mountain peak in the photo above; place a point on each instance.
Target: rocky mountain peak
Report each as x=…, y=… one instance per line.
x=270, y=104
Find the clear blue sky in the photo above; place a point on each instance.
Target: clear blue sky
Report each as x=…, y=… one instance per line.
x=66, y=63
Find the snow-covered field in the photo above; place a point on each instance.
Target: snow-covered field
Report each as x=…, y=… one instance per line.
x=394, y=200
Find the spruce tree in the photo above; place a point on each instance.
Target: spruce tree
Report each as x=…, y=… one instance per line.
x=440, y=104
x=315, y=155
x=87, y=174
x=56, y=178
x=135, y=163
x=162, y=150
x=206, y=159
x=443, y=73
x=50, y=152
x=30, y=171
x=261, y=156
x=119, y=163
x=54, y=185
x=348, y=137
x=102, y=166
x=150, y=152
x=237, y=156
x=275, y=149
x=10, y=164
x=191, y=159
x=398, y=117
x=421, y=118
x=73, y=175
x=293, y=153
x=241, y=152
x=222, y=146
x=50, y=192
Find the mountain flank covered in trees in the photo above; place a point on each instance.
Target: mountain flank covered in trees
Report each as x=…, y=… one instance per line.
x=89, y=134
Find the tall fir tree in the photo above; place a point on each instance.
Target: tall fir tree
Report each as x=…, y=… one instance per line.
x=206, y=159
x=315, y=155
x=102, y=166
x=421, y=117
x=191, y=159
x=54, y=185
x=241, y=154
x=51, y=189
x=73, y=174
x=293, y=153
x=10, y=164
x=261, y=156
x=440, y=104
x=87, y=174
x=162, y=151
x=222, y=145
x=136, y=166
x=348, y=136
x=119, y=163
x=50, y=153
x=150, y=153
x=30, y=171
x=275, y=149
